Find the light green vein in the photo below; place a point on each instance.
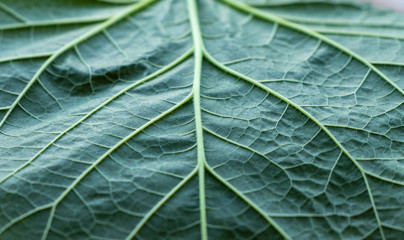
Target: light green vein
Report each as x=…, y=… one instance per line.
x=379, y=159
x=362, y=130
x=114, y=43
x=49, y=93
x=291, y=103
x=198, y=45
x=151, y=76
x=361, y=34
x=12, y=12
x=401, y=229
x=54, y=204
x=251, y=150
x=104, y=156
x=320, y=215
x=199, y=49
x=119, y=1
x=23, y=216
x=398, y=64
x=244, y=60
x=303, y=29
x=22, y=57
x=224, y=116
x=109, y=22
x=249, y=202
x=55, y=22
x=284, y=3
x=367, y=235
x=90, y=74
x=332, y=171
x=384, y=179
x=161, y=203
x=338, y=23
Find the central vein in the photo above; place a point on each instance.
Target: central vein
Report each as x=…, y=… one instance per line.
x=198, y=46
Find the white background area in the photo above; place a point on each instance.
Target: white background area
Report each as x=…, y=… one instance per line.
x=392, y=4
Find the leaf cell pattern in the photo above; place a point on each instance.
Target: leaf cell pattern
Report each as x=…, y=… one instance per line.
x=201, y=119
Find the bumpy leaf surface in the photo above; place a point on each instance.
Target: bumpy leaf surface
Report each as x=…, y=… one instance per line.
x=208, y=119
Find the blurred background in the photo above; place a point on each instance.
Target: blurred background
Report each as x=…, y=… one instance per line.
x=393, y=4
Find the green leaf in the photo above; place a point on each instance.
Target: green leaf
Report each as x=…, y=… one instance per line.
x=208, y=119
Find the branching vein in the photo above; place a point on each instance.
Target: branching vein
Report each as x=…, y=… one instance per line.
x=120, y=93
x=299, y=108
x=111, y=21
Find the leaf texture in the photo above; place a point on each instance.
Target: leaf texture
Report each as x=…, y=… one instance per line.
x=201, y=119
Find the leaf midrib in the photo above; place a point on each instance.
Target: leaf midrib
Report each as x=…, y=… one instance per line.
x=198, y=57
x=202, y=163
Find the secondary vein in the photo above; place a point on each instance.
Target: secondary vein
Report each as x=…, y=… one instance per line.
x=52, y=206
x=250, y=203
x=318, y=123
x=56, y=22
x=160, y=204
x=109, y=22
x=151, y=76
x=105, y=155
x=303, y=29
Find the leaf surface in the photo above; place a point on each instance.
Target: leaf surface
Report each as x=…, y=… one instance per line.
x=208, y=119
